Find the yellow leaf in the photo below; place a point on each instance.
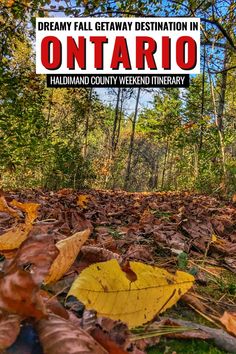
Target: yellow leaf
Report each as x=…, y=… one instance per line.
x=9, y=3
x=82, y=200
x=213, y=238
x=4, y=207
x=105, y=288
x=31, y=210
x=14, y=237
x=69, y=249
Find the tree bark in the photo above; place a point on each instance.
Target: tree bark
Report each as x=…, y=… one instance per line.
x=131, y=145
x=164, y=166
x=154, y=177
x=116, y=118
x=117, y=133
x=203, y=99
x=219, y=118
x=86, y=130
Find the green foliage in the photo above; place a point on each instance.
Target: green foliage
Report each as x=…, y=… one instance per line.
x=68, y=168
x=182, y=261
x=193, y=346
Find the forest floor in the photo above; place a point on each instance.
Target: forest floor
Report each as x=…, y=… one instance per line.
x=190, y=232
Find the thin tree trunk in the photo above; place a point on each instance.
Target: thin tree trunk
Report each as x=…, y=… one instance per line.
x=170, y=164
x=113, y=139
x=85, y=147
x=131, y=145
x=117, y=134
x=203, y=98
x=222, y=94
x=154, y=178
x=164, y=166
x=196, y=161
x=219, y=124
x=49, y=113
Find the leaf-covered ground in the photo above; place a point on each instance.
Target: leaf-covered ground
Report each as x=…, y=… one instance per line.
x=194, y=233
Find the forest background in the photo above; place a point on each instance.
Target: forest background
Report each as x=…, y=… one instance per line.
x=132, y=139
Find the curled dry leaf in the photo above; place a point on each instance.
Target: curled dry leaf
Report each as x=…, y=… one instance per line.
x=195, y=302
x=59, y=336
x=19, y=288
x=36, y=254
x=105, y=288
x=4, y=207
x=99, y=254
x=19, y=294
x=13, y=238
x=229, y=321
x=9, y=330
x=68, y=251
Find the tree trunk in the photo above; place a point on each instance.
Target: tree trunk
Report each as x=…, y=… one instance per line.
x=86, y=130
x=196, y=162
x=221, y=106
x=164, y=166
x=154, y=177
x=219, y=117
x=117, y=134
x=170, y=169
x=131, y=145
x=49, y=112
x=116, y=118
x=203, y=99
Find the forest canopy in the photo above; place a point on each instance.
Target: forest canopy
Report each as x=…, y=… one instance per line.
x=134, y=139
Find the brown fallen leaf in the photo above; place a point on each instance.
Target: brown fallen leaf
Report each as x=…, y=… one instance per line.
x=92, y=254
x=229, y=321
x=68, y=251
x=19, y=285
x=19, y=294
x=231, y=263
x=8, y=254
x=36, y=254
x=104, y=339
x=64, y=191
x=140, y=253
x=195, y=302
x=53, y=305
x=9, y=330
x=112, y=335
x=59, y=336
